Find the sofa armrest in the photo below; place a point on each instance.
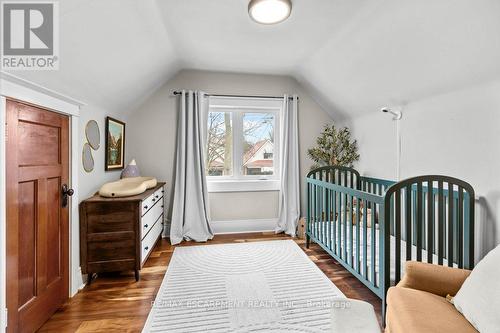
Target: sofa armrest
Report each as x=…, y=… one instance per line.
x=436, y=279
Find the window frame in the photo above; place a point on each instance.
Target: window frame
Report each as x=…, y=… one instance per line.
x=238, y=106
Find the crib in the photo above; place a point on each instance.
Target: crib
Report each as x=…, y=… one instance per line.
x=372, y=226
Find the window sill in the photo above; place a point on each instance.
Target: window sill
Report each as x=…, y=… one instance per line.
x=242, y=185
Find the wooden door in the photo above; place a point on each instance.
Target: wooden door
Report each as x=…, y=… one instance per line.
x=37, y=159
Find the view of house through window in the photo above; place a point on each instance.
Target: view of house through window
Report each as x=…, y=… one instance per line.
x=241, y=143
x=258, y=143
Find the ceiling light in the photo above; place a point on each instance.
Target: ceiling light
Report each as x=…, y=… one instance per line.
x=269, y=11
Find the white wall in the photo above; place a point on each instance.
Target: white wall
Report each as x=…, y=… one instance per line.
x=90, y=182
x=152, y=128
x=454, y=134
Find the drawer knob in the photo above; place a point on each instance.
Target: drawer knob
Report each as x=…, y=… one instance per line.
x=146, y=225
x=161, y=206
x=156, y=196
x=146, y=207
x=146, y=248
x=154, y=199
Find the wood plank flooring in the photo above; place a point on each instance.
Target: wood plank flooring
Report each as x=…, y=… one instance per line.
x=116, y=303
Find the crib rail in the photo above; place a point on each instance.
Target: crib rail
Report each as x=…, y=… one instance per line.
x=375, y=185
x=339, y=220
x=434, y=212
x=339, y=175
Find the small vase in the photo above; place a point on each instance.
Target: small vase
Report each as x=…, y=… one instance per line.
x=131, y=170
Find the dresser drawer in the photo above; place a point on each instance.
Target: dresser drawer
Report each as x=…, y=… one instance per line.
x=149, y=219
x=158, y=193
x=149, y=241
x=149, y=202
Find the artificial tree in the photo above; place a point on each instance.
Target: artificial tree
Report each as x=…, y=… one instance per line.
x=334, y=147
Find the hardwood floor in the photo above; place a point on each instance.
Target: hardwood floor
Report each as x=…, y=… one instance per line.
x=116, y=303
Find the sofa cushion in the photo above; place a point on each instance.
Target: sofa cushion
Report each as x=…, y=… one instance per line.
x=412, y=311
x=479, y=297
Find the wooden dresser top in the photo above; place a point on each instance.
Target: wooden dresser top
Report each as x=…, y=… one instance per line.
x=138, y=197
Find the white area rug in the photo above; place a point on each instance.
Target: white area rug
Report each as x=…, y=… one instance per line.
x=248, y=287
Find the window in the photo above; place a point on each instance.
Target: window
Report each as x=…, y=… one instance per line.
x=219, y=148
x=258, y=140
x=242, y=144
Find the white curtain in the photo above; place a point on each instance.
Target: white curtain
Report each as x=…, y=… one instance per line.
x=190, y=215
x=289, y=209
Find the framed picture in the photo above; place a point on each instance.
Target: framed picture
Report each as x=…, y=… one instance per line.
x=115, y=144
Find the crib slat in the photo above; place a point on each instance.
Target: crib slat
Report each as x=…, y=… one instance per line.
x=451, y=224
x=323, y=215
x=365, y=234
x=358, y=221
x=440, y=223
x=315, y=212
x=327, y=216
x=397, y=235
x=308, y=221
x=414, y=213
x=469, y=230
x=344, y=228
x=460, y=225
x=334, y=226
x=329, y=220
x=318, y=211
x=350, y=223
x=322, y=211
x=419, y=222
x=430, y=221
x=339, y=224
x=373, y=242
x=344, y=219
x=332, y=214
x=408, y=222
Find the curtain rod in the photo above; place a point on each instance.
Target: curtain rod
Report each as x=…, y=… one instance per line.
x=244, y=96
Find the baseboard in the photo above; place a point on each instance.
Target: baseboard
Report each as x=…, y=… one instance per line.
x=166, y=228
x=243, y=226
x=84, y=279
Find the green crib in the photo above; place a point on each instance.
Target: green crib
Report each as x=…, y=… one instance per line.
x=371, y=226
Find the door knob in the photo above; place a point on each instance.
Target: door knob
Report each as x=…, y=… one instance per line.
x=66, y=192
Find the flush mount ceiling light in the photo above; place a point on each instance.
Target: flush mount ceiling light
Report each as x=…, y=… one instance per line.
x=269, y=11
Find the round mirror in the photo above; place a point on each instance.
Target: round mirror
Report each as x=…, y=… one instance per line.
x=87, y=159
x=93, y=134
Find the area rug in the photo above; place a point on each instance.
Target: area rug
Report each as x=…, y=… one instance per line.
x=269, y=286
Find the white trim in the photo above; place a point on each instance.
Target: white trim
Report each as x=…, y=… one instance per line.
x=243, y=226
x=29, y=90
x=76, y=281
x=20, y=89
x=215, y=186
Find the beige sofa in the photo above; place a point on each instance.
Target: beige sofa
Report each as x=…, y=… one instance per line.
x=418, y=302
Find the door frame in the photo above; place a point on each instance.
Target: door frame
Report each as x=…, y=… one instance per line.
x=17, y=88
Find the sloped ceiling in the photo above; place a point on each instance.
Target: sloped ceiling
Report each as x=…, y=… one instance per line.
x=354, y=55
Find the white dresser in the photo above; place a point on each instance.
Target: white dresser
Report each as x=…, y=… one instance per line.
x=151, y=222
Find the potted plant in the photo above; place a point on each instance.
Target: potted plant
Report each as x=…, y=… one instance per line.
x=334, y=147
